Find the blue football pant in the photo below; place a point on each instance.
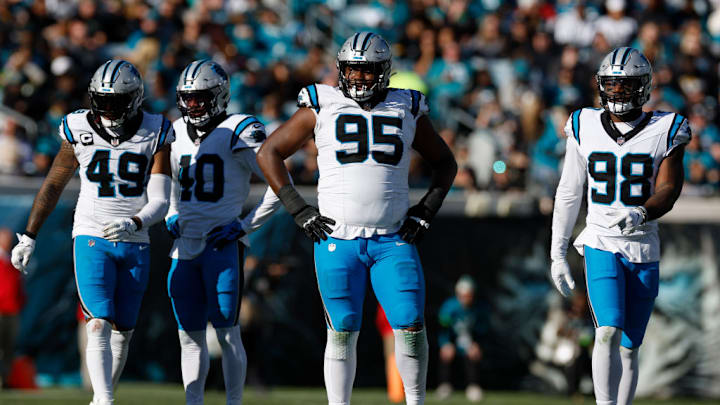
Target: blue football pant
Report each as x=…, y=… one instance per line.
x=621, y=293
x=111, y=278
x=207, y=287
x=344, y=267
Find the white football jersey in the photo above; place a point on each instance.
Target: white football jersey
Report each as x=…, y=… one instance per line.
x=211, y=178
x=621, y=167
x=363, y=158
x=114, y=171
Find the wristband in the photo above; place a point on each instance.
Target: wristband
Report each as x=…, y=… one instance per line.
x=30, y=235
x=291, y=199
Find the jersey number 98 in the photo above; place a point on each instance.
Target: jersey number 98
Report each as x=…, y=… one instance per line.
x=636, y=170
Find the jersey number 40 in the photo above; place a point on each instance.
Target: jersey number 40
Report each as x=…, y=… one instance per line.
x=196, y=181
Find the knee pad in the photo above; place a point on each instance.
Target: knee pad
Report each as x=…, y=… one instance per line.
x=349, y=322
x=608, y=335
x=406, y=315
x=340, y=345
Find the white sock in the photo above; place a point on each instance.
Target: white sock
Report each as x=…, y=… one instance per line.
x=411, y=356
x=340, y=365
x=194, y=363
x=119, y=346
x=606, y=364
x=629, y=380
x=234, y=363
x=99, y=359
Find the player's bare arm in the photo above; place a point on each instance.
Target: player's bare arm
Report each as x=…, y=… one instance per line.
x=433, y=150
x=283, y=142
x=668, y=184
x=62, y=170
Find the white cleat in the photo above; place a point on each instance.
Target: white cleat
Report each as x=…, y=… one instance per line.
x=443, y=391
x=474, y=393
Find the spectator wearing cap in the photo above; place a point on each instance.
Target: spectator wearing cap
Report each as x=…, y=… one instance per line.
x=464, y=323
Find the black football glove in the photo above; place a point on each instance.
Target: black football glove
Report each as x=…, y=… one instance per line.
x=315, y=225
x=416, y=223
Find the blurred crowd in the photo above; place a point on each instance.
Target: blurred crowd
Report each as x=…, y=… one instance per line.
x=501, y=76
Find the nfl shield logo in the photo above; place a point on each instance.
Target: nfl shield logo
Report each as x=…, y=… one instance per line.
x=331, y=247
x=91, y=242
x=620, y=140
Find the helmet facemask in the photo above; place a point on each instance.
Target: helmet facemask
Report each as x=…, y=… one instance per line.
x=198, y=106
x=113, y=109
x=620, y=95
x=360, y=89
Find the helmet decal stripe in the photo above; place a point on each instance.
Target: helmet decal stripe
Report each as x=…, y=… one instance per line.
x=113, y=77
x=366, y=40
x=107, y=66
x=197, y=67
x=354, y=46
x=624, y=57
x=614, y=56
x=187, y=70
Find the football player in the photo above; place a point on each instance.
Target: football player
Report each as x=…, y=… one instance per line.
x=632, y=161
x=123, y=156
x=213, y=160
x=363, y=230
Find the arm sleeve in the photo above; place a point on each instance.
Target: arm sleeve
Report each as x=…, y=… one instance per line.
x=269, y=203
x=158, y=191
x=679, y=134
x=568, y=197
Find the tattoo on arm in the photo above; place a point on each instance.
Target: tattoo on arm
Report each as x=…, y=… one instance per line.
x=62, y=170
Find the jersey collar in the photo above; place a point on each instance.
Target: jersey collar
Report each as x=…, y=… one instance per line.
x=618, y=136
x=132, y=128
x=214, y=122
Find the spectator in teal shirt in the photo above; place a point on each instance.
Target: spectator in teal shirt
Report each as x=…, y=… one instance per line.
x=464, y=322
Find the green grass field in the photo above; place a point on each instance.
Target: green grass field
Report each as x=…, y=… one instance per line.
x=155, y=394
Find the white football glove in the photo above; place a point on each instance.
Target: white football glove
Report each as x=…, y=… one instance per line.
x=22, y=251
x=560, y=273
x=119, y=229
x=629, y=220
